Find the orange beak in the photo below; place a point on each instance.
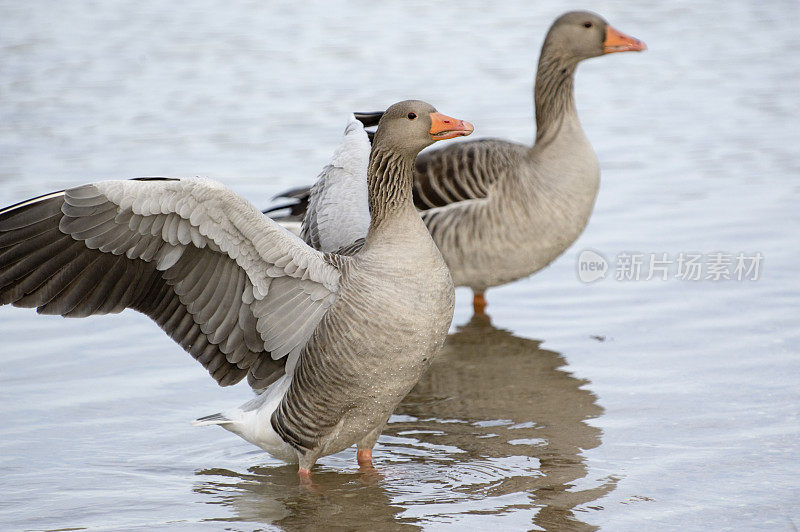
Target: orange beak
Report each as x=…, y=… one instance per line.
x=444, y=127
x=619, y=42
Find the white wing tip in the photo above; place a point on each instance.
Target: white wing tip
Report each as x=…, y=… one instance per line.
x=353, y=125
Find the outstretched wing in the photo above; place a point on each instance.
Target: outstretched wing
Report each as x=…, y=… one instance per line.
x=234, y=289
x=338, y=209
x=462, y=171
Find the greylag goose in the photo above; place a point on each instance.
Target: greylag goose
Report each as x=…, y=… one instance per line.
x=330, y=336
x=498, y=210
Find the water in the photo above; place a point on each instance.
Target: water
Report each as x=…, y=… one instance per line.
x=619, y=405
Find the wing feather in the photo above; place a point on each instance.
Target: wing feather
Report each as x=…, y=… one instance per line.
x=338, y=209
x=229, y=285
x=462, y=171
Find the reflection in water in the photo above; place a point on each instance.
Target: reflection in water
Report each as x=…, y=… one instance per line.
x=493, y=432
x=345, y=500
x=510, y=399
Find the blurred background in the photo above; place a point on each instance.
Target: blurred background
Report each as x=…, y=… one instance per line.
x=619, y=405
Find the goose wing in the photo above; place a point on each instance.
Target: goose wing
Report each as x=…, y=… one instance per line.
x=338, y=208
x=462, y=171
x=234, y=289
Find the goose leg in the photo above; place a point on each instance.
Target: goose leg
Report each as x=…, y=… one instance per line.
x=368, y=472
x=364, y=457
x=365, y=445
x=306, y=462
x=304, y=476
x=478, y=303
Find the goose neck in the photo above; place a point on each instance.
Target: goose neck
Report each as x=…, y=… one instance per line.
x=389, y=182
x=554, y=99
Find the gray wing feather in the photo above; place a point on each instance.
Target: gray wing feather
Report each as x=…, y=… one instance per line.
x=230, y=286
x=462, y=171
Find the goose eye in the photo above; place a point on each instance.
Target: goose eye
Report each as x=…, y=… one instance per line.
x=412, y=116
x=587, y=24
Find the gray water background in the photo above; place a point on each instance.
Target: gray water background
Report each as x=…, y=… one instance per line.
x=638, y=405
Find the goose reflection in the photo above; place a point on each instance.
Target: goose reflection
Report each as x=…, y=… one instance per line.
x=512, y=410
x=492, y=434
x=340, y=499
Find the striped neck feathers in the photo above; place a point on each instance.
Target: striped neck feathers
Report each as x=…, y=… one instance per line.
x=553, y=94
x=389, y=182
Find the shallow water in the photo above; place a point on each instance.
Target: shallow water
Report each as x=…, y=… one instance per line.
x=619, y=405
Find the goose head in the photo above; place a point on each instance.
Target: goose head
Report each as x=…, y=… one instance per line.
x=579, y=35
x=412, y=125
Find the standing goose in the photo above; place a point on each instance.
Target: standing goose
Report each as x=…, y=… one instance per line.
x=500, y=211
x=330, y=336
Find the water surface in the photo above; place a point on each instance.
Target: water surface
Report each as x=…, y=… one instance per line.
x=618, y=405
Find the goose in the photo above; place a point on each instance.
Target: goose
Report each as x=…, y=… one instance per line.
x=499, y=210
x=327, y=336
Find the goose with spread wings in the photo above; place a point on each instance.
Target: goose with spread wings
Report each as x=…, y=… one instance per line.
x=499, y=210
x=329, y=335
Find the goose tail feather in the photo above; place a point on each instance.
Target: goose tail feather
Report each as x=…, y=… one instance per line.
x=213, y=419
